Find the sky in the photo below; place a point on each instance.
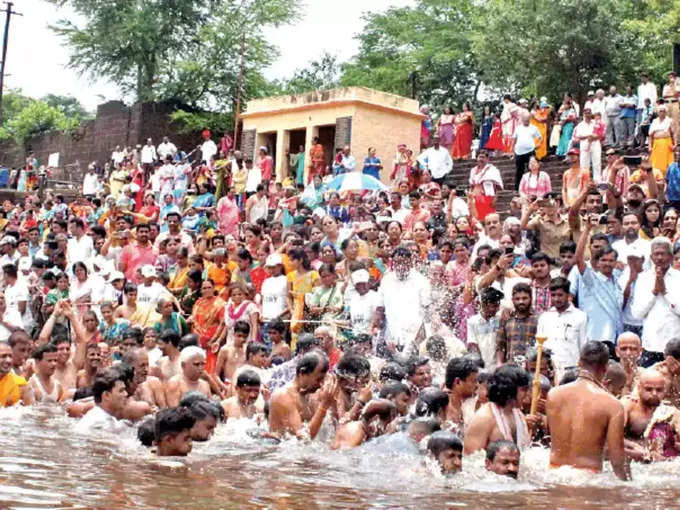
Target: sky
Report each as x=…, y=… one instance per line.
x=36, y=58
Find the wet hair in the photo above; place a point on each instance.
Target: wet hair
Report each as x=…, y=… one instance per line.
x=202, y=409
x=393, y=371
x=190, y=397
x=673, y=348
x=242, y=327
x=394, y=388
x=504, y=383
x=594, y=354
x=569, y=376
x=307, y=363
x=444, y=440
x=353, y=364
x=414, y=364
x=38, y=353
x=559, y=283
x=169, y=337
x=615, y=372
x=105, y=382
x=428, y=424
x=146, y=432
x=493, y=448
x=172, y=421
x=254, y=347
x=248, y=378
x=436, y=348
x=188, y=340
x=459, y=368
x=431, y=401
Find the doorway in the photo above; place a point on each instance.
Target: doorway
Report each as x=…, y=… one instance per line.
x=327, y=139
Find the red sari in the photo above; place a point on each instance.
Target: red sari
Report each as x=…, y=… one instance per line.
x=462, y=145
x=318, y=162
x=495, y=142
x=207, y=315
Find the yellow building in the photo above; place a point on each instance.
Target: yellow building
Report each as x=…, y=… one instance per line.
x=354, y=116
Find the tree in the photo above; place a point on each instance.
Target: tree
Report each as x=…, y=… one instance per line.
x=321, y=74
x=36, y=118
x=422, y=51
x=188, y=52
x=68, y=105
x=569, y=46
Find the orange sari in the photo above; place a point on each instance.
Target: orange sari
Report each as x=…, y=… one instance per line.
x=207, y=315
x=318, y=162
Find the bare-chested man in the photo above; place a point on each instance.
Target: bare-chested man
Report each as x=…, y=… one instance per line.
x=192, y=360
x=242, y=404
x=66, y=371
x=461, y=383
x=169, y=365
x=500, y=418
x=21, y=345
x=650, y=423
x=375, y=418
x=93, y=365
x=670, y=369
x=233, y=355
x=292, y=407
x=146, y=387
x=629, y=350
x=583, y=417
x=45, y=387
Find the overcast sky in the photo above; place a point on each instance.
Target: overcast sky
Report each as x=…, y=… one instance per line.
x=36, y=58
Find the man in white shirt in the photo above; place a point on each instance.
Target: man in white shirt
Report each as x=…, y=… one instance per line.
x=590, y=103
x=632, y=240
x=404, y=297
x=79, y=247
x=483, y=327
x=398, y=212
x=612, y=107
x=657, y=302
x=589, y=144
x=110, y=397
x=166, y=148
x=117, y=156
x=362, y=304
x=150, y=292
x=90, y=182
x=646, y=90
x=526, y=137
x=598, y=104
x=17, y=295
x=347, y=164
x=274, y=289
x=437, y=161
x=564, y=325
x=208, y=150
x=485, y=182
x=149, y=154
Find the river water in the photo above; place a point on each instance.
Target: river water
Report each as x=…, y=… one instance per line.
x=43, y=464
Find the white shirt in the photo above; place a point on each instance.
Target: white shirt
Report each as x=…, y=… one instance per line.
x=482, y=333
x=90, y=184
x=597, y=107
x=584, y=128
x=16, y=293
x=622, y=248
x=149, y=296
x=148, y=154
x=627, y=314
x=660, y=125
x=97, y=419
x=117, y=157
x=566, y=335
x=646, y=91
x=274, y=292
x=437, y=161
x=524, y=138
x=166, y=149
x=661, y=313
x=208, y=150
x=404, y=302
x=459, y=207
x=400, y=214
x=362, y=310
x=79, y=249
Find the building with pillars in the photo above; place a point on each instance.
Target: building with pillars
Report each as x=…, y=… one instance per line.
x=354, y=116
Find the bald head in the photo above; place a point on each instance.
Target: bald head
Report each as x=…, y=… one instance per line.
x=651, y=388
x=382, y=407
x=629, y=347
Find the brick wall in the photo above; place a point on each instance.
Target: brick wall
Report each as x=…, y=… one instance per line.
x=343, y=132
x=114, y=124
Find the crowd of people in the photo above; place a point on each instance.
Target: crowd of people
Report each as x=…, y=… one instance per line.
x=185, y=289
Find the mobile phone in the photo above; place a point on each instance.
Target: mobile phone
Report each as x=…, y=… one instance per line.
x=509, y=250
x=603, y=186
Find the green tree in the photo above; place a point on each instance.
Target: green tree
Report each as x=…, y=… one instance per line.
x=321, y=74
x=68, y=105
x=423, y=49
x=543, y=47
x=37, y=118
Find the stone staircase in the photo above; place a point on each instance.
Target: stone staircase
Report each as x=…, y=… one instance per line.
x=555, y=167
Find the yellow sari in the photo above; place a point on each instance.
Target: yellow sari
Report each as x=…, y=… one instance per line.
x=300, y=285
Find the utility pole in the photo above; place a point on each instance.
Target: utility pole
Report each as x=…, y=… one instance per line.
x=239, y=89
x=5, y=38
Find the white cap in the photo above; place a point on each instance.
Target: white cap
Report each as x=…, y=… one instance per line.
x=148, y=271
x=273, y=260
x=8, y=240
x=591, y=93
x=634, y=250
x=116, y=275
x=360, y=276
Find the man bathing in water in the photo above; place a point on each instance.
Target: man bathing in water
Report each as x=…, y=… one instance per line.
x=242, y=404
x=192, y=360
x=583, y=417
x=651, y=424
x=375, y=418
x=292, y=407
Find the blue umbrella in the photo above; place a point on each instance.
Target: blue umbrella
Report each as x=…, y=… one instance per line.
x=354, y=181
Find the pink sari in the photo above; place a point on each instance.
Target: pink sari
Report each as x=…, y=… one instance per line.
x=228, y=215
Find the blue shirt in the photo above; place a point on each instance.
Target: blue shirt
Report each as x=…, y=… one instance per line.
x=371, y=166
x=673, y=179
x=628, y=111
x=601, y=298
